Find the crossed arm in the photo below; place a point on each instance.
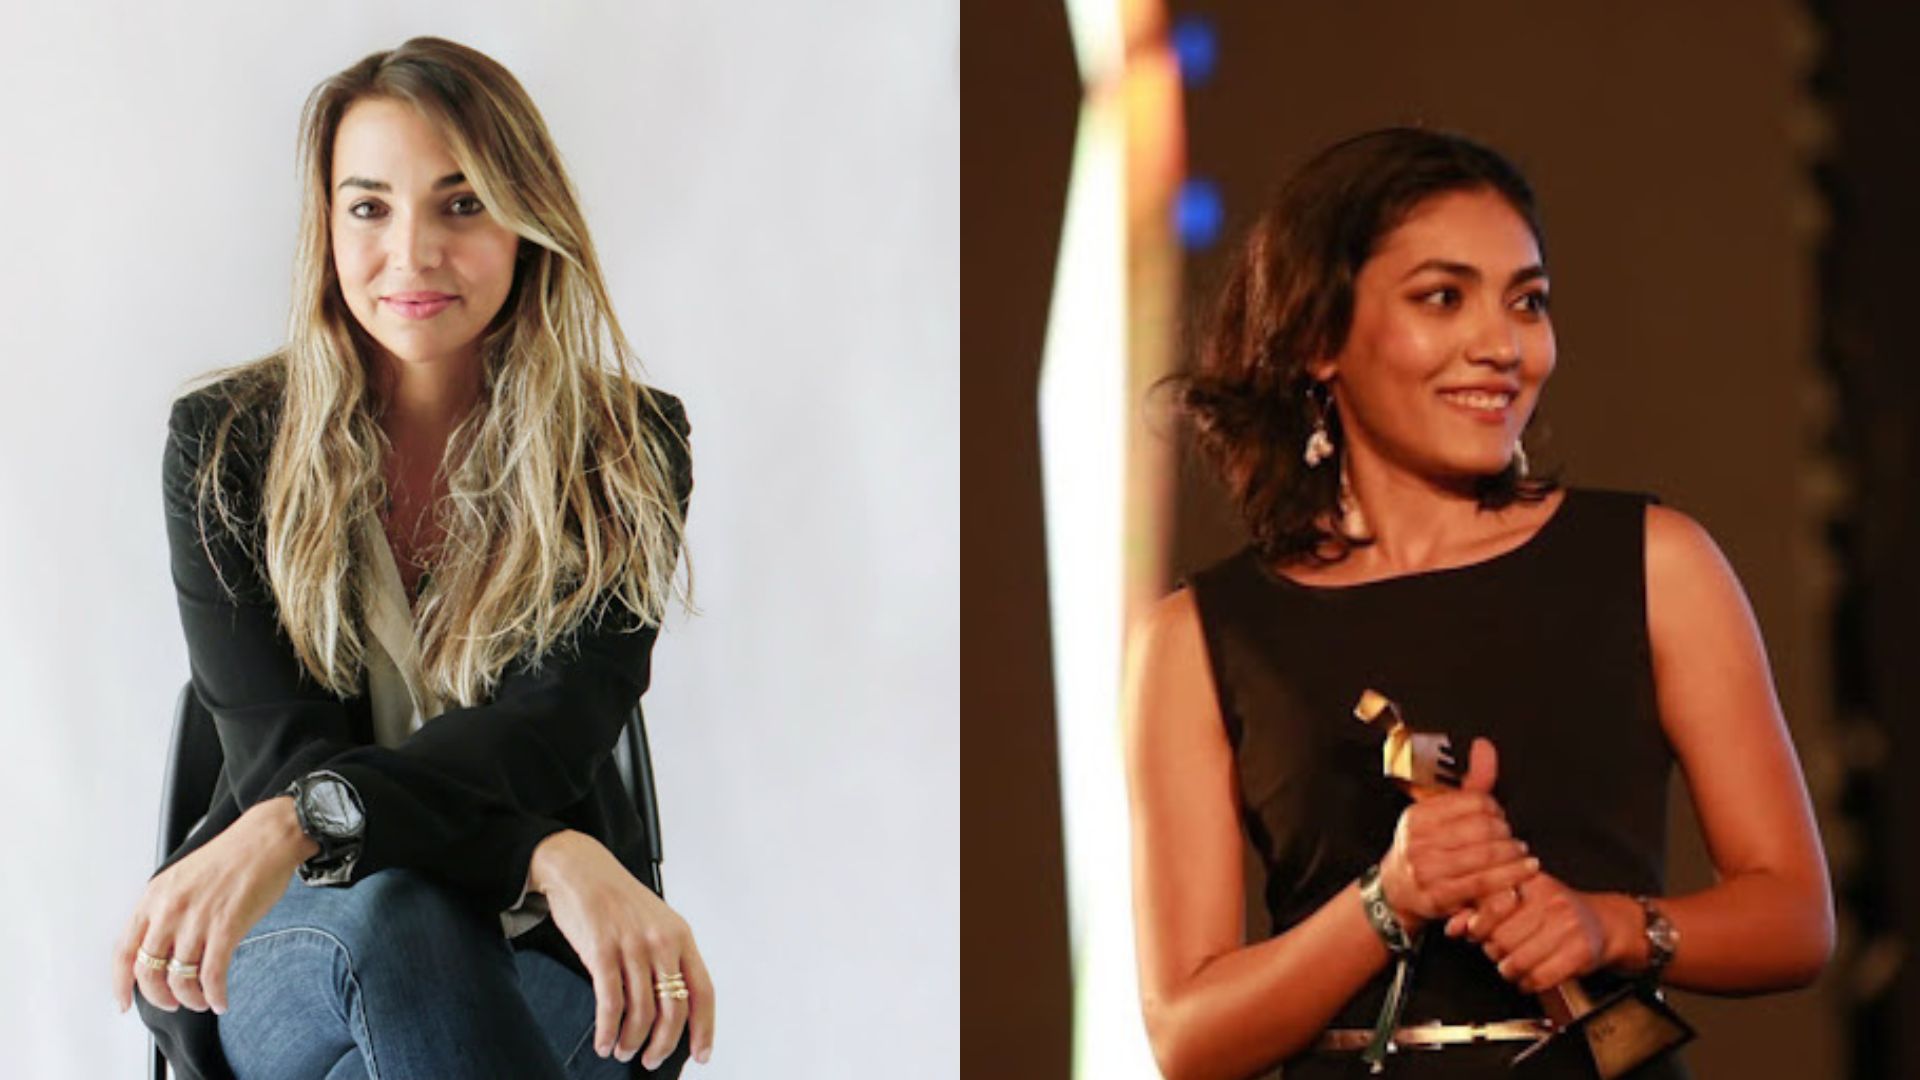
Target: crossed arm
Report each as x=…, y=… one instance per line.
x=471, y=794
x=468, y=799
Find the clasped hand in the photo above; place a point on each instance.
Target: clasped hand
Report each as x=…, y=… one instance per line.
x=1454, y=857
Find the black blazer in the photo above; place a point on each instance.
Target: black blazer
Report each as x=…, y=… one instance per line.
x=466, y=798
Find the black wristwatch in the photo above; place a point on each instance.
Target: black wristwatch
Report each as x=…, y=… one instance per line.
x=330, y=813
x=1662, y=938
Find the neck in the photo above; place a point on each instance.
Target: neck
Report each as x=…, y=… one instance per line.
x=1415, y=521
x=422, y=403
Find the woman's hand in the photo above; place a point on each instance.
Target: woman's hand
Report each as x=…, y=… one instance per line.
x=628, y=938
x=199, y=908
x=1544, y=932
x=1453, y=848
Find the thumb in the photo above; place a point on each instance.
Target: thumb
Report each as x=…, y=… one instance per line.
x=1483, y=763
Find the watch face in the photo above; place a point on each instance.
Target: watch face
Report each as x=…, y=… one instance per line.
x=1662, y=935
x=332, y=806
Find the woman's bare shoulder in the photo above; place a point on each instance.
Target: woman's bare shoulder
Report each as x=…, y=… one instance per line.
x=1679, y=549
x=1697, y=609
x=1170, y=624
x=1169, y=680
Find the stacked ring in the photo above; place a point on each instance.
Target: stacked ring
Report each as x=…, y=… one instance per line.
x=167, y=964
x=670, y=986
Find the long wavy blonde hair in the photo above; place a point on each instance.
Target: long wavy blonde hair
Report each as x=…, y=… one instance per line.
x=561, y=481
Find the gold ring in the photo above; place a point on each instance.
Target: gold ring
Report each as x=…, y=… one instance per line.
x=147, y=959
x=185, y=971
x=677, y=993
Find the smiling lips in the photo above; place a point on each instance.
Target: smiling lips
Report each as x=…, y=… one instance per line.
x=419, y=305
x=1486, y=406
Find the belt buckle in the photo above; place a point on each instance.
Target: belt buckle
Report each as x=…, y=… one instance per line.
x=1435, y=1030
x=1439, y=1034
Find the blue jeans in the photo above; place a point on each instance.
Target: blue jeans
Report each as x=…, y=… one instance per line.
x=393, y=978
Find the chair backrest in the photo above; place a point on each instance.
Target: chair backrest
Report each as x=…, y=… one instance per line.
x=194, y=761
x=634, y=759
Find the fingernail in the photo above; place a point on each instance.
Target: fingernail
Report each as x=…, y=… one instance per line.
x=648, y=1064
x=220, y=1010
x=705, y=1053
x=1533, y=864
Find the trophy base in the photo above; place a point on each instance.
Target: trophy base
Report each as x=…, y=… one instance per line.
x=1623, y=1031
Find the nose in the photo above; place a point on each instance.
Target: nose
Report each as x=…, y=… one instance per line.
x=413, y=244
x=1497, y=343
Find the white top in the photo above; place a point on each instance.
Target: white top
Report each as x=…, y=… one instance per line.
x=401, y=701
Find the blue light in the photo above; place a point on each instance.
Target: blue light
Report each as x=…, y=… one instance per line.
x=1199, y=213
x=1194, y=44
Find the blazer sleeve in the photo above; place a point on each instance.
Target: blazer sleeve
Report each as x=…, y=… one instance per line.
x=469, y=795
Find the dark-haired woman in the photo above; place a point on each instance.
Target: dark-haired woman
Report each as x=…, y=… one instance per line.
x=1371, y=370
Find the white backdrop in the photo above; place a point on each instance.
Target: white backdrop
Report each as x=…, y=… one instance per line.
x=774, y=189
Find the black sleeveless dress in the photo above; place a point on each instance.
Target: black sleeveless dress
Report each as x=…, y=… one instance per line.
x=1542, y=649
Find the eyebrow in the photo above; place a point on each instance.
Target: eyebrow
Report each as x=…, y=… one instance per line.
x=447, y=181
x=1468, y=270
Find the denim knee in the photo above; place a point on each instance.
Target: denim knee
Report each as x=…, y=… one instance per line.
x=400, y=915
x=418, y=978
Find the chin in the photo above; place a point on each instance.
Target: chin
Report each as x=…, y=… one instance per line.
x=412, y=349
x=1472, y=470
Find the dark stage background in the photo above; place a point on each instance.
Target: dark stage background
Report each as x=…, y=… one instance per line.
x=1728, y=191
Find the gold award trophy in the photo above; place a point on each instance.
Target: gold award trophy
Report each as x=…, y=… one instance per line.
x=1622, y=1031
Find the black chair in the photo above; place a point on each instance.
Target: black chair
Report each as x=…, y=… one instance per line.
x=194, y=760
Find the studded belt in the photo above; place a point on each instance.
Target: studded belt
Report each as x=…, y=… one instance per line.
x=1435, y=1036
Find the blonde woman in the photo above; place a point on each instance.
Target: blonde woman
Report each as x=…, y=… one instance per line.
x=421, y=555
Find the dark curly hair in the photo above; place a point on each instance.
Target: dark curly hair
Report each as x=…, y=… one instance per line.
x=1288, y=300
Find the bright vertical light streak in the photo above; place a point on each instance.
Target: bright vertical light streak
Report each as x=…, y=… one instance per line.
x=1083, y=406
x=1086, y=386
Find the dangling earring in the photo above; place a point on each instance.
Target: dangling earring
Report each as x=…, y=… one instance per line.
x=1520, y=460
x=1353, y=522
x=1319, y=442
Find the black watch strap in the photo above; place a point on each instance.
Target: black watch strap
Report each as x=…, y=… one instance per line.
x=330, y=812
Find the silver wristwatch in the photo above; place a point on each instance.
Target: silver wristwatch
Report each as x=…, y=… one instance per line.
x=1662, y=937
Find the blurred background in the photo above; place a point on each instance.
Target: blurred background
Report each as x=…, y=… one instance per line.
x=774, y=192
x=1727, y=189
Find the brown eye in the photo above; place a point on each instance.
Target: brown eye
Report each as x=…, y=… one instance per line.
x=1444, y=297
x=1533, y=303
x=477, y=208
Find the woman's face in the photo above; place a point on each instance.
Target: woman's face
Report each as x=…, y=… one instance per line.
x=1450, y=342
x=423, y=266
